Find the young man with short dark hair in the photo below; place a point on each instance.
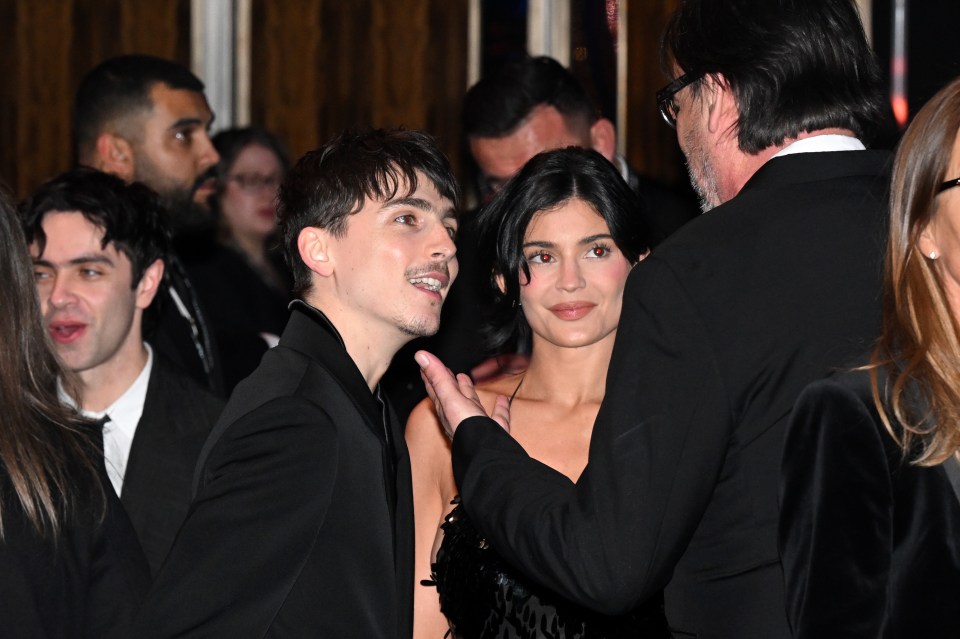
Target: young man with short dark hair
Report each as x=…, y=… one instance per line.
x=302, y=522
x=99, y=248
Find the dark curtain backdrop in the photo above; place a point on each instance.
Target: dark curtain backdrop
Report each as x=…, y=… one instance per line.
x=317, y=66
x=45, y=48
x=320, y=66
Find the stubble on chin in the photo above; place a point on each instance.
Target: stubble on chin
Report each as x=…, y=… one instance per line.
x=702, y=173
x=419, y=326
x=704, y=185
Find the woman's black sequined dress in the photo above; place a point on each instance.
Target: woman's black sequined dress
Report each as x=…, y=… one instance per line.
x=483, y=597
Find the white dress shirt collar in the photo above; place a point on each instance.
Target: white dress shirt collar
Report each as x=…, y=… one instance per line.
x=124, y=413
x=821, y=143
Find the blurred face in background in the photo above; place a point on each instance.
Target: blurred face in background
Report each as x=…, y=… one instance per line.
x=499, y=159
x=248, y=201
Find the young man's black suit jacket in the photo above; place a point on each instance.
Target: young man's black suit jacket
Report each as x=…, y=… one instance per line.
x=158, y=482
x=302, y=523
x=722, y=326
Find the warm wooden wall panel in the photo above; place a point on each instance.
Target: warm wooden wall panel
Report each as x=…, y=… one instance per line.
x=41, y=144
x=651, y=145
x=324, y=65
x=45, y=48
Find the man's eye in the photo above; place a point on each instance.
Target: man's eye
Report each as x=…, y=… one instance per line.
x=452, y=232
x=41, y=275
x=408, y=219
x=183, y=136
x=90, y=272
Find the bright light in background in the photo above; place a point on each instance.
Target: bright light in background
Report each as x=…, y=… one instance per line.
x=612, y=20
x=898, y=65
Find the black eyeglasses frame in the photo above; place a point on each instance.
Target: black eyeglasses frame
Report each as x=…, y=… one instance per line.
x=665, y=102
x=949, y=184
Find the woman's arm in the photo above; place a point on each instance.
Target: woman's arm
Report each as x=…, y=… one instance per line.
x=433, y=489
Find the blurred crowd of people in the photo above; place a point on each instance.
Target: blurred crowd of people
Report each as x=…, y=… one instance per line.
x=245, y=397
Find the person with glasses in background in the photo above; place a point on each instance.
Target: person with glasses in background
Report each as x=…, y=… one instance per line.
x=244, y=281
x=871, y=482
x=722, y=327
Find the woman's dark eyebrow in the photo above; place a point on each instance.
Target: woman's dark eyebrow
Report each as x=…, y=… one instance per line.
x=590, y=239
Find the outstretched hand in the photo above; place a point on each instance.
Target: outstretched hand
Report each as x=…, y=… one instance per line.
x=455, y=398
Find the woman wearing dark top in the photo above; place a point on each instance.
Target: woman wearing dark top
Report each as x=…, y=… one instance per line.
x=70, y=565
x=247, y=285
x=241, y=278
x=560, y=240
x=870, y=521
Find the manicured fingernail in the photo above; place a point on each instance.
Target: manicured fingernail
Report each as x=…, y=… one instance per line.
x=421, y=358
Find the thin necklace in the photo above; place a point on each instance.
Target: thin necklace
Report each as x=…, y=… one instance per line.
x=510, y=401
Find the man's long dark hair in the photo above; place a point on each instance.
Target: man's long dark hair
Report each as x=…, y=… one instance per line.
x=793, y=65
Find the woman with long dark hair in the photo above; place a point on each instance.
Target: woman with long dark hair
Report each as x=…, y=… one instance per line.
x=70, y=565
x=560, y=239
x=870, y=522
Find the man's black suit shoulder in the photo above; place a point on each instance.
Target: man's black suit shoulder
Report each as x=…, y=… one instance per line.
x=157, y=487
x=294, y=530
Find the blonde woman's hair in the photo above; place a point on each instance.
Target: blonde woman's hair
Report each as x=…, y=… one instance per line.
x=919, y=345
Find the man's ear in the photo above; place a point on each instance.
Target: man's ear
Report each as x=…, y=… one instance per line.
x=722, y=112
x=314, y=245
x=149, y=284
x=114, y=155
x=603, y=138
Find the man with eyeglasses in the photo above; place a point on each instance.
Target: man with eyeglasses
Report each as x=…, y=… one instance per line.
x=722, y=326
x=534, y=104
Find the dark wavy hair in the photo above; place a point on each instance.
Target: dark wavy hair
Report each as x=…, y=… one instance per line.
x=49, y=456
x=793, y=65
x=331, y=183
x=130, y=215
x=547, y=181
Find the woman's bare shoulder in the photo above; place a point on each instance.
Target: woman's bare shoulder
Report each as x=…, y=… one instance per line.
x=424, y=433
x=504, y=385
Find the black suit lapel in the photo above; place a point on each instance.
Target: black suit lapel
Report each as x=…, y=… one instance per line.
x=403, y=525
x=136, y=484
x=311, y=333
